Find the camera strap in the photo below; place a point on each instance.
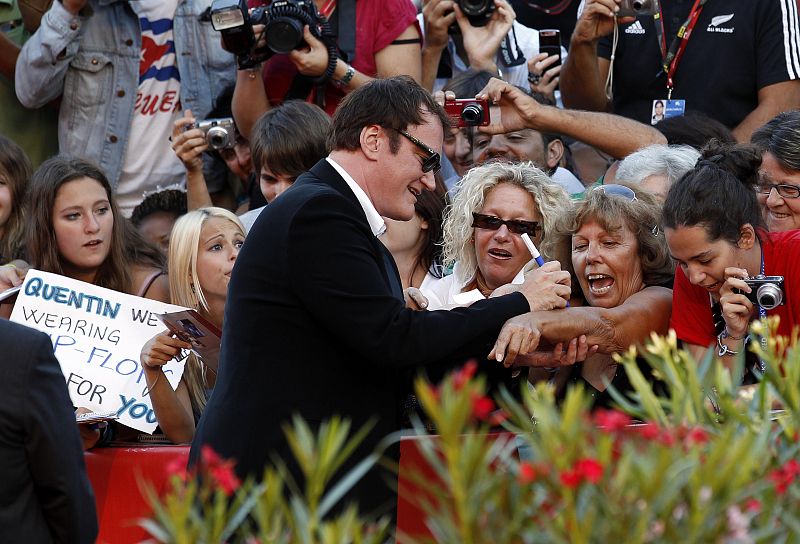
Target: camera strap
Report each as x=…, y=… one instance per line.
x=343, y=27
x=671, y=56
x=508, y=56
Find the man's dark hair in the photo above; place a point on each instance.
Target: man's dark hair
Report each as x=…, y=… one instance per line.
x=290, y=138
x=394, y=103
x=781, y=137
x=695, y=129
x=168, y=200
x=718, y=194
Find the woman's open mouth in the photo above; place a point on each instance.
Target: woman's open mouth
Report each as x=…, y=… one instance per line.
x=600, y=284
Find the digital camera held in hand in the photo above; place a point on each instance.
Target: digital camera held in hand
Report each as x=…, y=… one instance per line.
x=220, y=133
x=766, y=291
x=283, y=22
x=467, y=112
x=634, y=8
x=478, y=12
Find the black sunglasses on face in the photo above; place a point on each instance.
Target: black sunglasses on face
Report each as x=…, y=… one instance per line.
x=785, y=190
x=517, y=226
x=431, y=162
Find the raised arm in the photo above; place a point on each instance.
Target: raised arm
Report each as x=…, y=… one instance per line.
x=772, y=100
x=612, y=134
x=43, y=62
x=583, y=77
x=611, y=329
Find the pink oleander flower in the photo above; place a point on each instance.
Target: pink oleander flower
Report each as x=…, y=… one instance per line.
x=482, y=407
x=462, y=376
x=590, y=469
x=611, y=421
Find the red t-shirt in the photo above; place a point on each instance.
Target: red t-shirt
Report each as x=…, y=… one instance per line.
x=378, y=23
x=691, y=305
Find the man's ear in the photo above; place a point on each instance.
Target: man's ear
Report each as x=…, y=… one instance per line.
x=553, y=153
x=371, y=140
x=747, y=237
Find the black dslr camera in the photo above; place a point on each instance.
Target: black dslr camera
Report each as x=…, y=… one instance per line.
x=766, y=291
x=477, y=11
x=283, y=20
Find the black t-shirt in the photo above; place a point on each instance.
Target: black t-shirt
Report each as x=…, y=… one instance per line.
x=736, y=48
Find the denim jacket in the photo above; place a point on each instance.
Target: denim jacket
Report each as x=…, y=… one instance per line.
x=92, y=62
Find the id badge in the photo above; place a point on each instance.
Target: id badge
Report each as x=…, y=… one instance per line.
x=664, y=109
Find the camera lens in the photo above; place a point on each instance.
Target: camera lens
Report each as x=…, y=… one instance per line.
x=475, y=7
x=769, y=296
x=637, y=4
x=217, y=138
x=472, y=114
x=284, y=34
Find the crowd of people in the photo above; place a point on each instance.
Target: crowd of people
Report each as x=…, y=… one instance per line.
x=332, y=212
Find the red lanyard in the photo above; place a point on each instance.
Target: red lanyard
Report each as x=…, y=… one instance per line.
x=672, y=56
x=327, y=8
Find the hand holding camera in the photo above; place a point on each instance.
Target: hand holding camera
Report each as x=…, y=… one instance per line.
x=516, y=110
x=482, y=41
x=740, y=296
x=438, y=16
x=189, y=142
x=597, y=20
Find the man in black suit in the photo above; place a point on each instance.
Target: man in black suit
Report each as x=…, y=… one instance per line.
x=315, y=321
x=45, y=495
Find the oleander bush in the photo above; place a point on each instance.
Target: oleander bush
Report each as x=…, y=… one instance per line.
x=705, y=461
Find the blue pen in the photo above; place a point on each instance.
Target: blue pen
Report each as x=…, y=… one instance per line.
x=532, y=248
x=534, y=252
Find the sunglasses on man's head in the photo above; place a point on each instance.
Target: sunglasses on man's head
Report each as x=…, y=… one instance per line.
x=517, y=226
x=432, y=161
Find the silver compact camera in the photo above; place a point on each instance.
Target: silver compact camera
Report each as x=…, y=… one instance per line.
x=766, y=291
x=220, y=133
x=634, y=8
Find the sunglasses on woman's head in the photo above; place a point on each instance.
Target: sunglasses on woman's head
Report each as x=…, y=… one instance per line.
x=617, y=190
x=517, y=226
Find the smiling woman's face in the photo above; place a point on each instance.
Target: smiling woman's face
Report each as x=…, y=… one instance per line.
x=607, y=263
x=500, y=253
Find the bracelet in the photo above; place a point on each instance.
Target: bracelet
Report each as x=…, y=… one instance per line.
x=150, y=388
x=724, y=350
x=726, y=334
x=348, y=76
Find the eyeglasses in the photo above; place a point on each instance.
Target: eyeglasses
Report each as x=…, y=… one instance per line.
x=618, y=190
x=786, y=191
x=432, y=161
x=517, y=226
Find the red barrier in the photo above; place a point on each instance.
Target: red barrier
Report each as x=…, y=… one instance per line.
x=116, y=474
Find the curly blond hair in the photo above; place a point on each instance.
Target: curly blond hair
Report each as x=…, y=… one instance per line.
x=470, y=195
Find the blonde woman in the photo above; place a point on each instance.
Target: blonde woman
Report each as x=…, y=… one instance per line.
x=203, y=249
x=494, y=205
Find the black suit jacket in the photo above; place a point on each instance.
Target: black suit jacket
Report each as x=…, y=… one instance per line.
x=312, y=327
x=45, y=495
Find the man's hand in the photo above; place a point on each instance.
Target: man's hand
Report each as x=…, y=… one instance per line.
x=547, y=287
x=438, y=16
x=516, y=109
x=313, y=59
x=74, y=6
x=189, y=144
x=597, y=20
x=414, y=298
x=541, y=67
x=482, y=42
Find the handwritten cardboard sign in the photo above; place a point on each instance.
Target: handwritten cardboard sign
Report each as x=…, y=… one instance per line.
x=97, y=337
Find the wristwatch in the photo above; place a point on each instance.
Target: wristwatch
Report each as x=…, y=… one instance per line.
x=348, y=76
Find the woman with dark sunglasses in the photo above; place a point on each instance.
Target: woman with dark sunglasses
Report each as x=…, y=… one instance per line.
x=715, y=231
x=621, y=264
x=493, y=206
